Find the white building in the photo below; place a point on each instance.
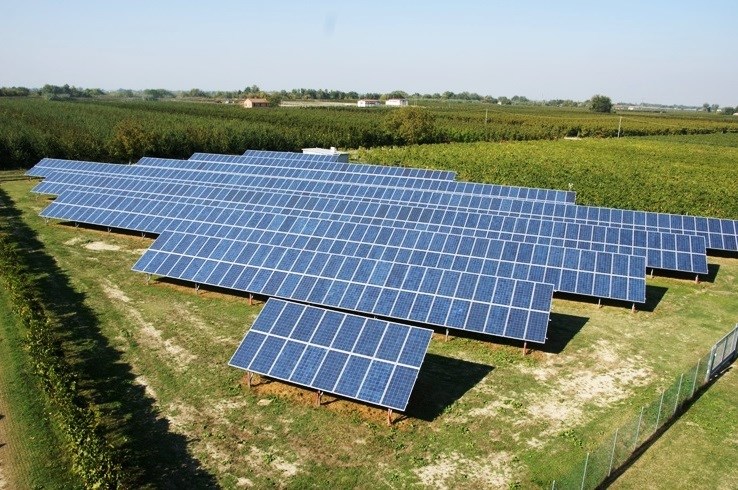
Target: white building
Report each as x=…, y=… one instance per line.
x=368, y=103
x=396, y=102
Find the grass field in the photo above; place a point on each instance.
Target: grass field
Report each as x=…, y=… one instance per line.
x=481, y=415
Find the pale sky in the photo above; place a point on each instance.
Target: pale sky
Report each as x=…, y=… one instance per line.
x=633, y=51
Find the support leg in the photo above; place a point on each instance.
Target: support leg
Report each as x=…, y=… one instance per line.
x=318, y=396
x=599, y=302
x=697, y=279
x=633, y=308
x=148, y=278
x=389, y=416
x=248, y=378
x=251, y=299
x=197, y=289
x=447, y=335
x=652, y=273
x=525, y=348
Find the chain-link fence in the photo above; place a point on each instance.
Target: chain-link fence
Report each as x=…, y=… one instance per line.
x=616, y=450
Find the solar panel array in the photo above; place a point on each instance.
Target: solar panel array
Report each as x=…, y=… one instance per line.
x=662, y=250
x=405, y=246
x=349, y=355
x=590, y=273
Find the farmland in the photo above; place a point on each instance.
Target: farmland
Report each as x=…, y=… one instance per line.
x=481, y=415
x=119, y=131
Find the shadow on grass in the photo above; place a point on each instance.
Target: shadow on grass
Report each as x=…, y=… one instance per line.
x=442, y=381
x=151, y=455
x=712, y=271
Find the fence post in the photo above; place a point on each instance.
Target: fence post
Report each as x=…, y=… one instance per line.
x=638, y=430
x=612, y=456
x=709, y=363
x=658, y=416
x=584, y=475
x=696, y=373
x=679, y=392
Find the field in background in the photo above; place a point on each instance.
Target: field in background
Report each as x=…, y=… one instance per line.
x=122, y=131
x=482, y=415
x=680, y=174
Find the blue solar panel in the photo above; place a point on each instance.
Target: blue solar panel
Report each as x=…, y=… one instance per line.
x=648, y=244
x=537, y=263
x=289, y=341
x=326, y=288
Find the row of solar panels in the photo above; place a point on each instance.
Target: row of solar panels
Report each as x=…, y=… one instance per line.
x=662, y=250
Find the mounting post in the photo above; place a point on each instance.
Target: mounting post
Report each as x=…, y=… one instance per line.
x=318, y=396
x=197, y=288
x=249, y=374
x=389, y=416
x=76, y=225
x=697, y=279
x=599, y=302
x=447, y=335
x=633, y=308
x=143, y=234
x=46, y=220
x=525, y=348
x=251, y=299
x=108, y=229
x=148, y=278
x=652, y=273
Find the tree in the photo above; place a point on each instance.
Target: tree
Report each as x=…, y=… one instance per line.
x=706, y=107
x=600, y=103
x=412, y=125
x=727, y=110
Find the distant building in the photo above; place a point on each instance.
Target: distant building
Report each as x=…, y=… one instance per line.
x=368, y=103
x=251, y=103
x=342, y=156
x=396, y=102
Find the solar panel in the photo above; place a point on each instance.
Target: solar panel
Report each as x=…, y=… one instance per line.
x=445, y=298
x=289, y=155
x=664, y=251
x=361, y=358
x=436, y=185
x=617, y=276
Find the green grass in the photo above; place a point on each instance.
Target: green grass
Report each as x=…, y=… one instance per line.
x=31, y=451
x=702, y=444
x=481, y=414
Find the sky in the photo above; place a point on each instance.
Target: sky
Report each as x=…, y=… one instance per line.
x=667, y=52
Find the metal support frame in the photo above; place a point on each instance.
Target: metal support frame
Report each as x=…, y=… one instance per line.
x=694, y=381
x=697, y=279
x=197, y=288
x=447, y=335
x=249, y=375
x=318, y=396
x=658, y=415
x=525, y=348
x=148, y=279
x=251, y=299
x=584, y=474
x=651, y=272
x=599, y=302
x=109, y=229
x=633, y=308
x=389, y=416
